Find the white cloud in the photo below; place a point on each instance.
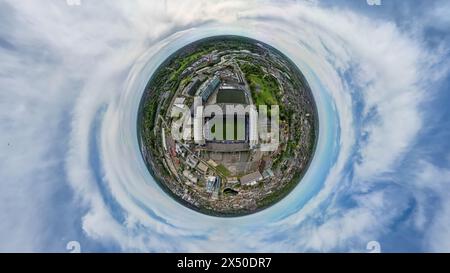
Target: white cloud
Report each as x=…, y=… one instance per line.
x=430, y=185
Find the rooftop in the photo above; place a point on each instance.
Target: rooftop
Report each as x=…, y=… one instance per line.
x=202, y=167
x=179, y=101
x=251, y=178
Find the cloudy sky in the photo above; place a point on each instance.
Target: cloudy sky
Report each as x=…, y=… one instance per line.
x=71, y=77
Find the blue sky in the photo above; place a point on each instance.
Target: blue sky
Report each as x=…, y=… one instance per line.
x=72, y=76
